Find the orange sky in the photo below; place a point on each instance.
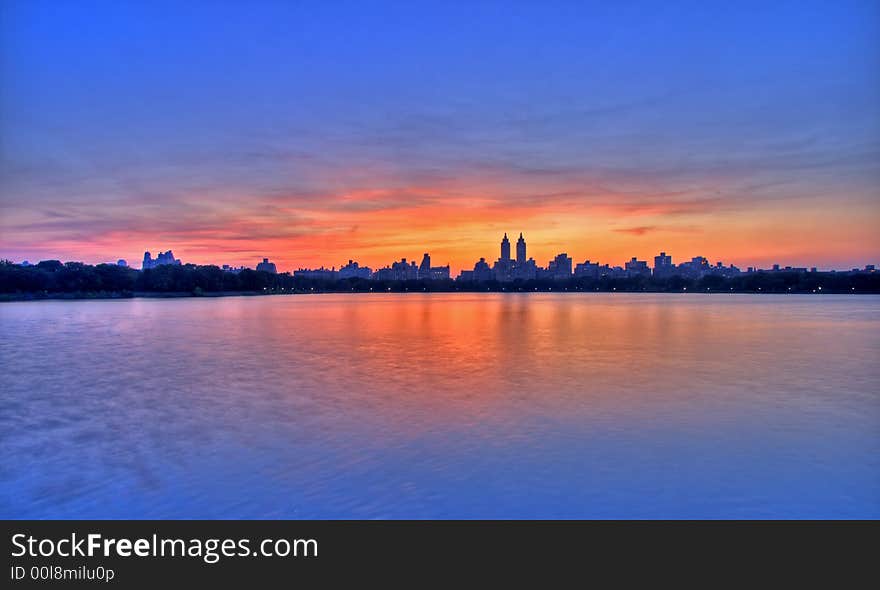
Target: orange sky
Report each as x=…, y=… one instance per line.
x=458, y=224
x=748, y=135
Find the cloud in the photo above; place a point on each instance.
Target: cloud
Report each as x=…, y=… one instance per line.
x=414, y=181
x=636, y=231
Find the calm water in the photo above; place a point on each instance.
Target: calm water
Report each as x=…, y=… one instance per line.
x=459, y=405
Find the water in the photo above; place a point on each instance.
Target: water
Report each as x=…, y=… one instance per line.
x=442, y=406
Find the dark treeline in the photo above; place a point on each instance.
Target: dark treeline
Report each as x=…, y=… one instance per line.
x=53, y=278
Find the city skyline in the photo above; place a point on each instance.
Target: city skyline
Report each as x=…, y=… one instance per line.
x=509, y=266
x=311, y=261
x=543, y=251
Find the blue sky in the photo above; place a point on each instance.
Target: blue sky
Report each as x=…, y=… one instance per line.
x=314, y=132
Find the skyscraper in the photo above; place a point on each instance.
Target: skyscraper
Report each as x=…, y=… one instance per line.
x=505, y=248
x=425, y=267
x=663, y=266
x=520, y=250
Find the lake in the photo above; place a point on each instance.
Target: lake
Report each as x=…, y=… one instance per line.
x=454, y=405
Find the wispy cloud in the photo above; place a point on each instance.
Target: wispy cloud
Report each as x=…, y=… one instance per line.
x=636, y=231
x=416, y=181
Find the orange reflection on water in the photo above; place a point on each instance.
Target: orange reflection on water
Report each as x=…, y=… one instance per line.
x=442, y=405
x=435, y=358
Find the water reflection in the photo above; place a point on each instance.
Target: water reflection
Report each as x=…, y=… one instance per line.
x=456, y=405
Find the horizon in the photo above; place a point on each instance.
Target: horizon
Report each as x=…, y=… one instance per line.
x=454, y=270
x=318, y=133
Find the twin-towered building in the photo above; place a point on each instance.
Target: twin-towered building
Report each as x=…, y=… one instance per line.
x=506, y=269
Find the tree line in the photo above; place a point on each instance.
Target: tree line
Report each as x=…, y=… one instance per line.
x=53, y=278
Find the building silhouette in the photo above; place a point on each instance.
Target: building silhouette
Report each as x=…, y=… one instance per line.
x=558, y=269
x=161, y=260
x=696, y=268
x=324, y=274
x=505, y=269
x=425, y=267
x=267, y=266
x=481, y=272
x=505, y=248
x=502, y=270
x=635, y=268
x=432, y=273
x=439, y=273
x=587, y=270
x=353, y=270
x=663, y=266
x=508, y=269
x=398, y=271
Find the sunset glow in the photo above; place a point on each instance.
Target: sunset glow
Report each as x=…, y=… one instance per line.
x=316, y=143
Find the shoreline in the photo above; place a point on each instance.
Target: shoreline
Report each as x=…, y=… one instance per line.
x=104, y=296
x=24, y=297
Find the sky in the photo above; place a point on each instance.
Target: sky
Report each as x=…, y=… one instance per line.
x=317, y=132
